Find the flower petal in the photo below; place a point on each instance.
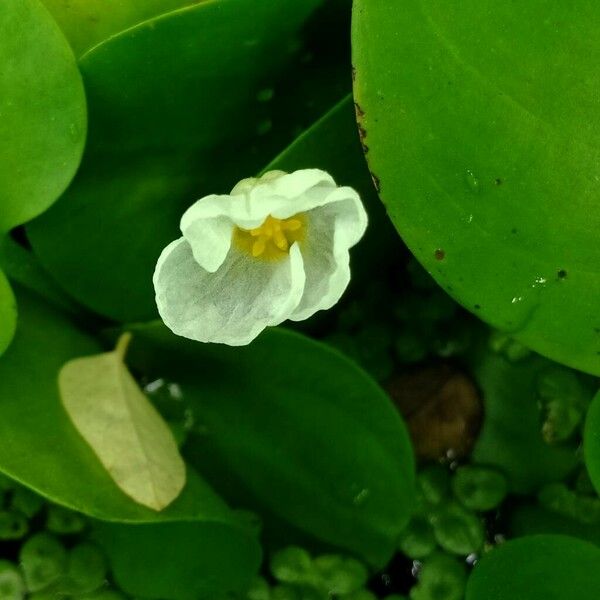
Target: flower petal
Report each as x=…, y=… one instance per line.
x=231, y=306
x=281, y=195
x=332, y=230
x=245, y=185
x=210, y=240
x=290, y=186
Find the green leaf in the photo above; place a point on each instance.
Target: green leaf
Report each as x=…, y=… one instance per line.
x=89, y=22
x=42, y=112
x=8, y=313
x=11, y=581
x=440, y=576
x=537, y=568
x=44, y=560
x=309, y=434
x=168, y=110
x=125, y=431
x=178, y=561
x=23, y=267
x=511, y=437
x=591, y=442
x=86, y=569
x=479, y=488
x=482, y=124
x=340, y=575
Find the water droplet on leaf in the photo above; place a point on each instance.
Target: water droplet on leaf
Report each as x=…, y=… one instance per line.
x=361, y=497
x=472, y=181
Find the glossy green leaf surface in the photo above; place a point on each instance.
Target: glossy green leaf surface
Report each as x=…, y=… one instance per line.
x=482, y=123
x=178, y=561
x=42, y=112
x=168, y=124
x=86, y=23
x=313, y=438
x=591, y=442
x=8, y=313
x=511, y=436
x=540, y=567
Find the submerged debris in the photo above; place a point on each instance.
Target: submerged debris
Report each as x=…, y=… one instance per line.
x=442, y=409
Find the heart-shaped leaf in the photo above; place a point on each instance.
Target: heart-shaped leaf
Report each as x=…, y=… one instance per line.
x=126, y=432
x=482, y=123
x=42, y=112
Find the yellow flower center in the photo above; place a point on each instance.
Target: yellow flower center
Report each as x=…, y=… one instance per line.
x=272, y=239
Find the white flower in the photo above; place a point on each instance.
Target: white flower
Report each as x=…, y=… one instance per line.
x=276, y=248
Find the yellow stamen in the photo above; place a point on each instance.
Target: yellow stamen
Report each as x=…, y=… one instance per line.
x=280, y=240
x=259, y=246
x=292, y=224
x=272, y=239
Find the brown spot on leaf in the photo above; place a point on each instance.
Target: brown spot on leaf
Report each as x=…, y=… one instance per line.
x=362, y=132
x=439, y=254
x=376, y=182
x=360, y=113
x=442, y=409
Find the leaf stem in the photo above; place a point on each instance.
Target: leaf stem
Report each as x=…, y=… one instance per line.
x=123, y=345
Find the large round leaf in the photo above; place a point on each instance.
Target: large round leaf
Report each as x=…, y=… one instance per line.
x=540, y=567
x=8, y=313
x=88, y=22
x=173, y=108
x=482, y=119
x=42, y=112
x=308, y=433
x=591, y=442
